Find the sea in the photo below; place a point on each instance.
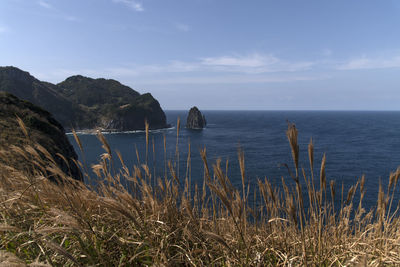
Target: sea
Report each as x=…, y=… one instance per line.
x=355, y=143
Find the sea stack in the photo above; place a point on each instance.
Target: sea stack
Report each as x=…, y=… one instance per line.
x=195, y=119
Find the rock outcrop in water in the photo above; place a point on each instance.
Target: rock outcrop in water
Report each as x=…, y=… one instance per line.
x=84, y=103
x=195, y=119
x=42, y=130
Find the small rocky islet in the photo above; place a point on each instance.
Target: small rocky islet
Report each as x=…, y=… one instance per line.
x=195, y=119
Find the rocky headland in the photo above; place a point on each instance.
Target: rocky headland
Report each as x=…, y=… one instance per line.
x=84, y=103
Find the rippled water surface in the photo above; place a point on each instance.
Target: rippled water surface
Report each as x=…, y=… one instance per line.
x=355, y=143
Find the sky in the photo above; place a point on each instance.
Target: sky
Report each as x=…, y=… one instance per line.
x=216, y=54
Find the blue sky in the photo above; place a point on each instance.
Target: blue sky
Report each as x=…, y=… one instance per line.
x=216, y=54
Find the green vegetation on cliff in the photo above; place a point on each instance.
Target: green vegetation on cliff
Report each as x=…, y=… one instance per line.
x=113, y=105
x=79, y=89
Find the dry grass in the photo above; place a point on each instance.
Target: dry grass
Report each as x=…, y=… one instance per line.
x=153, y=222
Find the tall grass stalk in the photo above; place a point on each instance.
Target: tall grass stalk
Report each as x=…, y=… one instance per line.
x=135, y=218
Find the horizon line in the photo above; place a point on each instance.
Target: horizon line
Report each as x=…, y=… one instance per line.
x=296, y=110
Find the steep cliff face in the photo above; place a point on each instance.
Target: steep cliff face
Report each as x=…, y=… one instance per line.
x=118, y=107
x=42, y=129
x=130, y=116
x=84, y=103
x=195, y=119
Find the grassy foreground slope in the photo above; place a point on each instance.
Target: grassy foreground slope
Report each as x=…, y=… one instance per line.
x=161, y=222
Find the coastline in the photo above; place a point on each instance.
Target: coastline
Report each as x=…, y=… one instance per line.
x=115, y=131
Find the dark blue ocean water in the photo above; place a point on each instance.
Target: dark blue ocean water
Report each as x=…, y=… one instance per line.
x=355, y=143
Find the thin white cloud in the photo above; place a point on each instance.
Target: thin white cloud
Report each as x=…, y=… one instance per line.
x=57, y=13
x=3, y=29
x=71, y=18
x=255, y=63
x=182, y=27
x=44, y=4
x=254, y=68
x=132, y=4
x=247, y=65
x=233, y=79
x=132, y=76
x=254, y=60
x=326, y=52
x=365, y=62
x=172, y=67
